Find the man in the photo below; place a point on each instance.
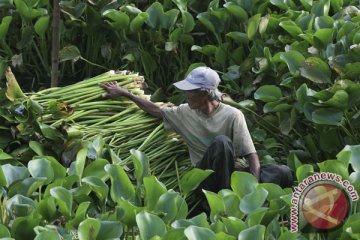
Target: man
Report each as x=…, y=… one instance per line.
x=216, y=134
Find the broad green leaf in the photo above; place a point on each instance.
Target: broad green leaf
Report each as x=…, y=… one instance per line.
x=13, y=90
x=323, y=37
x=233, y=225
x=274, y=190
x=121, y=186
x=291, y=28
x=23, y=227
x=350, y=154
x=150, y=225
x=276, y=106
x=327, y=116
x=352, y=70
x=50, y=132
x=208, y=50
x=196, y=233
x=172, y=205
x=42, y=25
x=215, y=202
x=96, y=168
x=69, y=53
x=36, y=147
x=138, y=21
x=46, y=235
x=97, y=186
x=141, y=165
x=188, y=22
x=177, y=234
x=304, y=171
x=237, y=180
x=47, y=208
x=181, y=4
x=237, y=11
x=289, y=236
x=156, y=14
x=256, y=232
x=58, y=168
x=254, y=200
x=64, y=199
x=231, y=202
x=5, y=156
x=268, y=93
x=199, y=221
x=323, y=22
x=321, y=8
x=169, y=19
x=338, y=100
x=120, y=20
x=26, y=186
x=192, y=179
x=80, y=215
x=13, y=173
x=80, y=161
x=335, y=166
x=41, y=168
x=4, y=232
x=153, y=189
x=238, y=37
x=27, y=12
x=256, y=217
x=20, y=205
x=4, y=26
x=316, y=70
x=211, y=22
x=293, y=60
x=89, y=229
x=110, y=230
x=253, y=25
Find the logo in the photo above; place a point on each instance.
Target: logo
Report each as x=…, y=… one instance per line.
x=321, y=201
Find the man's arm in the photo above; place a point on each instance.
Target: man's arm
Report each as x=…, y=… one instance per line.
x=254, y=164
x=113, y=90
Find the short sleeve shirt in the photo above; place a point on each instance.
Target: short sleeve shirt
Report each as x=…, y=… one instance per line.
x=199, y=129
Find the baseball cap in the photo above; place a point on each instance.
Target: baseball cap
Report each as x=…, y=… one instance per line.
x=200, y=77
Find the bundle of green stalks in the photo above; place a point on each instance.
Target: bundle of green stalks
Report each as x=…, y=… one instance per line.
x=122, y=125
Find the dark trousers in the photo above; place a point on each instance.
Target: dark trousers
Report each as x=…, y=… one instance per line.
x=220, y=158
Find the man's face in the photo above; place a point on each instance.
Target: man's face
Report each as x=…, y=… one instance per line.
x=196, y=98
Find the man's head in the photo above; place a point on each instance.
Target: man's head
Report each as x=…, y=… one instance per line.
x=200, y=86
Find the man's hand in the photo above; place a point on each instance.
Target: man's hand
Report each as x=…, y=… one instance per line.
x=113, y=90
x=254, y=164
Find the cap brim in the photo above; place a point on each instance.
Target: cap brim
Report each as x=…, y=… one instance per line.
x=185, y=85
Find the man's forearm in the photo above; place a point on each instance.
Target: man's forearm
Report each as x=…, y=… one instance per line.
x=254, y=164
x=146, y=105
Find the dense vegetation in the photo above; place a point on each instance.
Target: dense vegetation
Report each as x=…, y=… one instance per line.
x=291, y=66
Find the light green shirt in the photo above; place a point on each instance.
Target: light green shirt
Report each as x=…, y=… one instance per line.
x=199, y=129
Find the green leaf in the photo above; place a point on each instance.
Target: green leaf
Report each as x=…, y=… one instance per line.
x=13, y=173
x=47, y=208
x=42, y=25
x=64, y=199
x=150, y=225
x=211, y=22
x=121, y=186
x=291, y=27
x=327, y=116
x=5, y=156
x=97, y=186
x=256, y=232
x=335, y=166
x=321, y=8
x=26, y=187
x=199, y=221
x=50, y=132
x=196, y=233
x=274, y=190
x=289, y=236
x=13, y=90
x=46, y=235
x=268, y=93
x=352, y=70
x=4, y=232
x=177, y=234
x=253, y=25
x=237, y=180
x=237, y=11
x=138, y=21
x=254, y=200
x=215, y=202
x=141, y=165
x=58, y=168
x=80, y=215
x=89, y=229
x=188, y=22
x=339, y=100
x=156, y=14
x=69, y=53
x=41, y=168
x=280, y=4
x=4, y=26
x=110, y=230
x=28, y=13
x=153, y=189
x=323, y=37
x=120, y=20
x=323, y=22
x=276, y=106
x=350, y=154
x=192, y=179
x=172, y=205
x=304, y=171
x=23, y=227
x=80, y=161
x=238, y=37
x=293, y=60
